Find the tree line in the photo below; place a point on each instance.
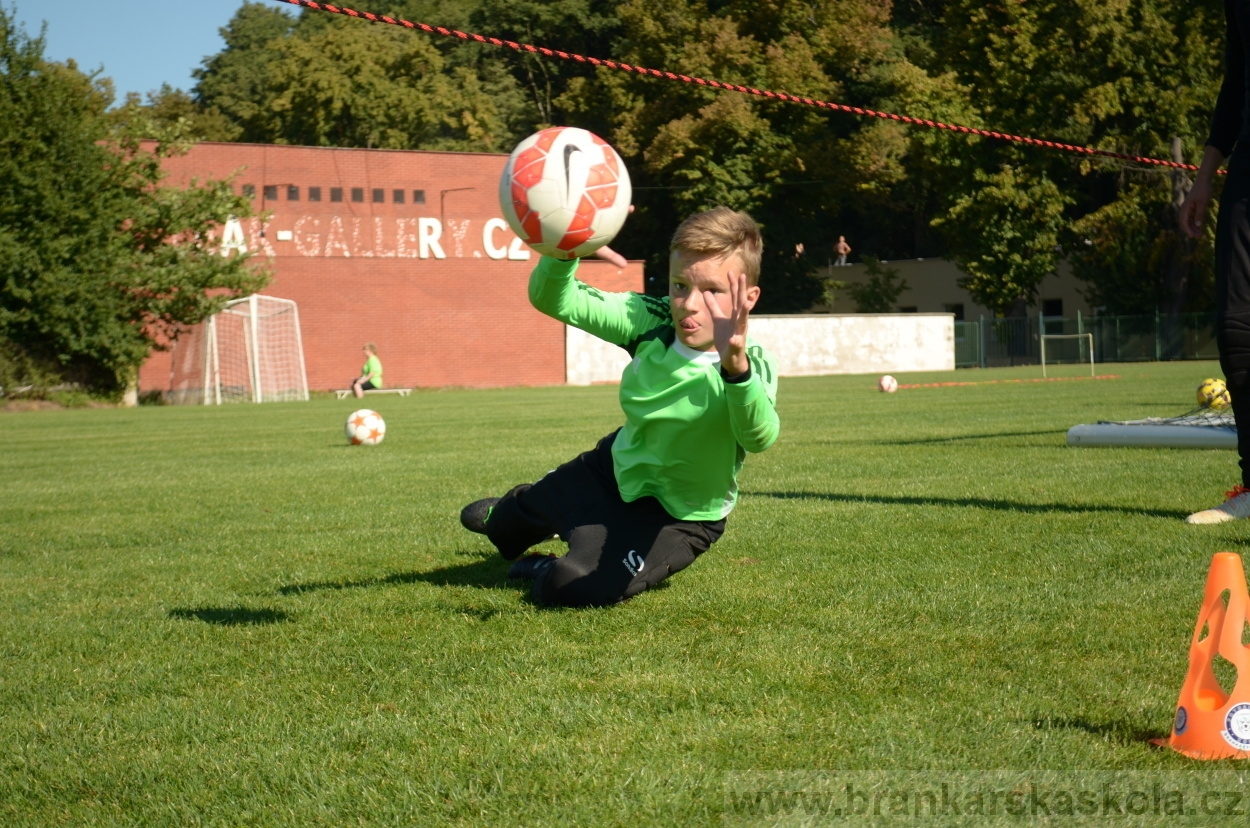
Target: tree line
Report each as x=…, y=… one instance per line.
x=1133, y=76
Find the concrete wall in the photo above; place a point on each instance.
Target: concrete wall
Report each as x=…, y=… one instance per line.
x=933, y=287
x=807, y=345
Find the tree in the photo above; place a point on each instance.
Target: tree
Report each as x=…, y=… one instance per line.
x=585, y=27
x=1005, y=236
x=1128, y=77
x=880, y=293
x=234, y=81
x=173, y=109
x=1123, y=249
x=98, y=263
x=320, y=80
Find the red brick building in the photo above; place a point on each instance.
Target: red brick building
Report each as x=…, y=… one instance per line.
x=404, y=249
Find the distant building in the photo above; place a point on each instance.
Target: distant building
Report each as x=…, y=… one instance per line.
x=933, y=288
x=404, y=249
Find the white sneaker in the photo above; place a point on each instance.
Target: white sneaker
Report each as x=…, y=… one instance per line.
x=1236, y=507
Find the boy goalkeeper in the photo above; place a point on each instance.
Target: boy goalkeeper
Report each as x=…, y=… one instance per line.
x=698, y=395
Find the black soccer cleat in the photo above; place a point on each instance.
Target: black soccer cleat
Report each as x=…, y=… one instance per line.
x=530, y=567
x=473, y=517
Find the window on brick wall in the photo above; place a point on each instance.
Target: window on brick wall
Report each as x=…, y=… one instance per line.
x=249, y=191
x=271, y=192
x=314, y=193
x=397, y=196
x=336, y=193
x=418, y=196
x=292, y=192
x=379, y=195
x=358, y=194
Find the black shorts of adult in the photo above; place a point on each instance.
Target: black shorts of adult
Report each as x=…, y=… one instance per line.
x=367, y=385
x=616, y=549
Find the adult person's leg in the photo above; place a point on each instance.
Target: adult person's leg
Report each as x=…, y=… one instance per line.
x=1232, y=331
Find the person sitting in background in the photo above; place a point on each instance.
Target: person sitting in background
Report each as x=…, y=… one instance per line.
x=371, y=374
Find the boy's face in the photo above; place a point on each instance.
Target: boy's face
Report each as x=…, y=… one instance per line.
x=690, y=277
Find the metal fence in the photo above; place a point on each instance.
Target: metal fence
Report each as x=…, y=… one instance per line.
x=992, y=342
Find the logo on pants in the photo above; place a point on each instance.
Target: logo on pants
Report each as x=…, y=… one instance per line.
x=633, y=562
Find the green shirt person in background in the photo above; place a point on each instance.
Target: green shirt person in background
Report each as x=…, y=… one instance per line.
x=370, y=374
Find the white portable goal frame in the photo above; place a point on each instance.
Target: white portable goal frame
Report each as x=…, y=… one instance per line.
x=252, y=351
x=1198, y=429
x=1083, y=337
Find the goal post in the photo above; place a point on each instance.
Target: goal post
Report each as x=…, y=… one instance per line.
x=1082, y=338
x=251, y=351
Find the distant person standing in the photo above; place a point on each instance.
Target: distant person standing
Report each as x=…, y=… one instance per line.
x=843, y=250
x=370, y=377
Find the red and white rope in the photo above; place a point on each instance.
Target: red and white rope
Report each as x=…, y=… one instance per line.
x=731, y=87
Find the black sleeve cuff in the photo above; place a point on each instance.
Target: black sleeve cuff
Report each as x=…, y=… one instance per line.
x=740, y=378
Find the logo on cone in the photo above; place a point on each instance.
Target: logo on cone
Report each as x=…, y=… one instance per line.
x=1237, y=726
x=1211, y=722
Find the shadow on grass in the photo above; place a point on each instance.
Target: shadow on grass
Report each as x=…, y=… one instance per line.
x=957, y=437
x=971, y=502
x=231, y=616
x=489, y=572
x=1116, y=731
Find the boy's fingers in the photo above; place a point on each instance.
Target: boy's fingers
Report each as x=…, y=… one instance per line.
x=712, y=307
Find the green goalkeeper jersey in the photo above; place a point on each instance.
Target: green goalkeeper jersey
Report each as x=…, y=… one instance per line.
x=686, y=429
x=375, y=365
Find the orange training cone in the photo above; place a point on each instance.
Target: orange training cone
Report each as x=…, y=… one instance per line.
x=1210, y=723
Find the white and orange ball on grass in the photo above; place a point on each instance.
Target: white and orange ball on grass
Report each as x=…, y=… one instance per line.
x=565, y=192
x=365, y=428
x=887, y=384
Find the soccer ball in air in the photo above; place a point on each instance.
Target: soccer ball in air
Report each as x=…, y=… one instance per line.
x=565, y=192
x=887, y=384
x=1213, y=394
x=365, y=428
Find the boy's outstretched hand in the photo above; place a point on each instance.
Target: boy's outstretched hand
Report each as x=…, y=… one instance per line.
x=729, y=323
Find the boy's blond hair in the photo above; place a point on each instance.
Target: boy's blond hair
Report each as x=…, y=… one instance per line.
x=721, y=232
x=371, y=348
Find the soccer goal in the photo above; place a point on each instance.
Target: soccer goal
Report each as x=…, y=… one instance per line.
x=1082, y=339
x=249, y=352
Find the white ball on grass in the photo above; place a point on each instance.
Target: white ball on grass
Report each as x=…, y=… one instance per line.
x=365, y=428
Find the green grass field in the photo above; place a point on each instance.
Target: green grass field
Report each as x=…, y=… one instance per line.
x=230, y=617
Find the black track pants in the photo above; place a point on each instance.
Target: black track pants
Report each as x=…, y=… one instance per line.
x=616, y=549
x=1232, y=290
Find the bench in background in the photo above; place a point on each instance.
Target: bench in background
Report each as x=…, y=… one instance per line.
x=344, y=393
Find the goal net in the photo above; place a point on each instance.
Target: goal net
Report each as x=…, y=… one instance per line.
x=249, y=352
x=1200, y=428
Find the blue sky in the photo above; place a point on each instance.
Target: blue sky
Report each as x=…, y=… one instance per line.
x=139, y=43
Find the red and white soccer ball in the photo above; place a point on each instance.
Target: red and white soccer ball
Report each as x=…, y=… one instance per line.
x=565, y=192
x=365, y=428
x=887, y=384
